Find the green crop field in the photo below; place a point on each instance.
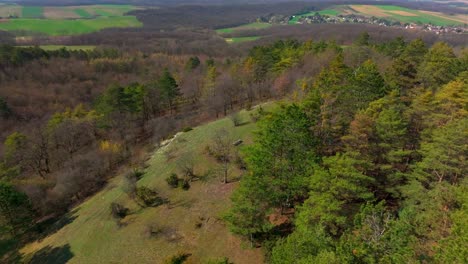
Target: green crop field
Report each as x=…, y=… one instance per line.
x=250, y=26
x=32, y=12
x=65, y=20
x=83, y=13
x=190, y=223
x=62, y=27
x=241, y=39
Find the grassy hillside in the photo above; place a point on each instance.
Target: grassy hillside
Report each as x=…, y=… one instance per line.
x=189, y=223
x=244, y=27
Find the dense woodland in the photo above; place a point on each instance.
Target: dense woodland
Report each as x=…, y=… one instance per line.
x=367, y=167
x=364, y=162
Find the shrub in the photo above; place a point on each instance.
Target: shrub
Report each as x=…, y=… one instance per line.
x=179, y=258
x=236, y=119
x=149, y=197
x=118, y=211
x=184, y=185
x=187, y=129
x=173, y=180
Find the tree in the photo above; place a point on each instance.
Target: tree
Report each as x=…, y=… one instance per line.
x=336, y=190
x=282, y=155
x=169, y=88
x=223, y=150
x=440, y=65
x=15, y=209
x=368, y=84
x=402, y=75
x=5, y=110
x=192, y=63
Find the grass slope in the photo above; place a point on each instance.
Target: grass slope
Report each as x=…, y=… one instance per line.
x=60, y=27
x=94, y=236
x=244, y=27
x=82, y=13
x=241, y=39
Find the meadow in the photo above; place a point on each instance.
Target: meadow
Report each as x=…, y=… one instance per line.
x=190, y=223
x=251, y=26
x=66, y=20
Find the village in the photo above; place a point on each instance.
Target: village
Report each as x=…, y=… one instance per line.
x=317, y=18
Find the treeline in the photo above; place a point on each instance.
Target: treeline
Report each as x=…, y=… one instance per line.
x=17, y=56
x=368, y=166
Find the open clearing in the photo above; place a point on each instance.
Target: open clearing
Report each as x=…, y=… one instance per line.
x=241, y=39
x=64, y=27
x=250, y=26
x=189, y=223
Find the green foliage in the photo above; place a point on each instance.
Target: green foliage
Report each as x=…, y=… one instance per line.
x=168, y=87
x=5, y=110
x=439, y=66
x=122, y=99
x=179, y=258
x=14, y=144
x=15, y=209
x=173, y=180
x=149, y=197
x=192, y=63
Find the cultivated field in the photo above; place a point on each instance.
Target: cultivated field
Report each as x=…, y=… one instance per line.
x=67, y=20
x=397, y=13
x=190, y=223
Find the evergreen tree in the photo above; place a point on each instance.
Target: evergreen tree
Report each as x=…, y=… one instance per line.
x=169, y=88
x=15, y=209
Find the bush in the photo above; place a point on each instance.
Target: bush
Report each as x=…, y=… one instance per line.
x=118, y=211
x=184, y=185
x=149, y=197
x=173, y=180
x=179, y=258
x=187, y=129
x=236, y=119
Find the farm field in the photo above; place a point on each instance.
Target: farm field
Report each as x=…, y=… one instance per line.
x=407, y=15
x=397, y=13
x=250, y=26
x=61, y=27
x=190, y=223
x=66, y=20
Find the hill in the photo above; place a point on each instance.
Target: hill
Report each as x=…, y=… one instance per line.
x=189, y=223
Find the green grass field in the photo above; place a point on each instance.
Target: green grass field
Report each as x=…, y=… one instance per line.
x=32, y=12
x=61, y=27
x=244, y=27
x=65, y=20
x=190, y=222
x=83, y=13
x=241, y=39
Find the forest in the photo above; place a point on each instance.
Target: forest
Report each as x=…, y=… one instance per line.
x=362, y=159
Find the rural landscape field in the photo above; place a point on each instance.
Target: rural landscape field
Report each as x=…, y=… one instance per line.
x=62, y=21
x=233, y=132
